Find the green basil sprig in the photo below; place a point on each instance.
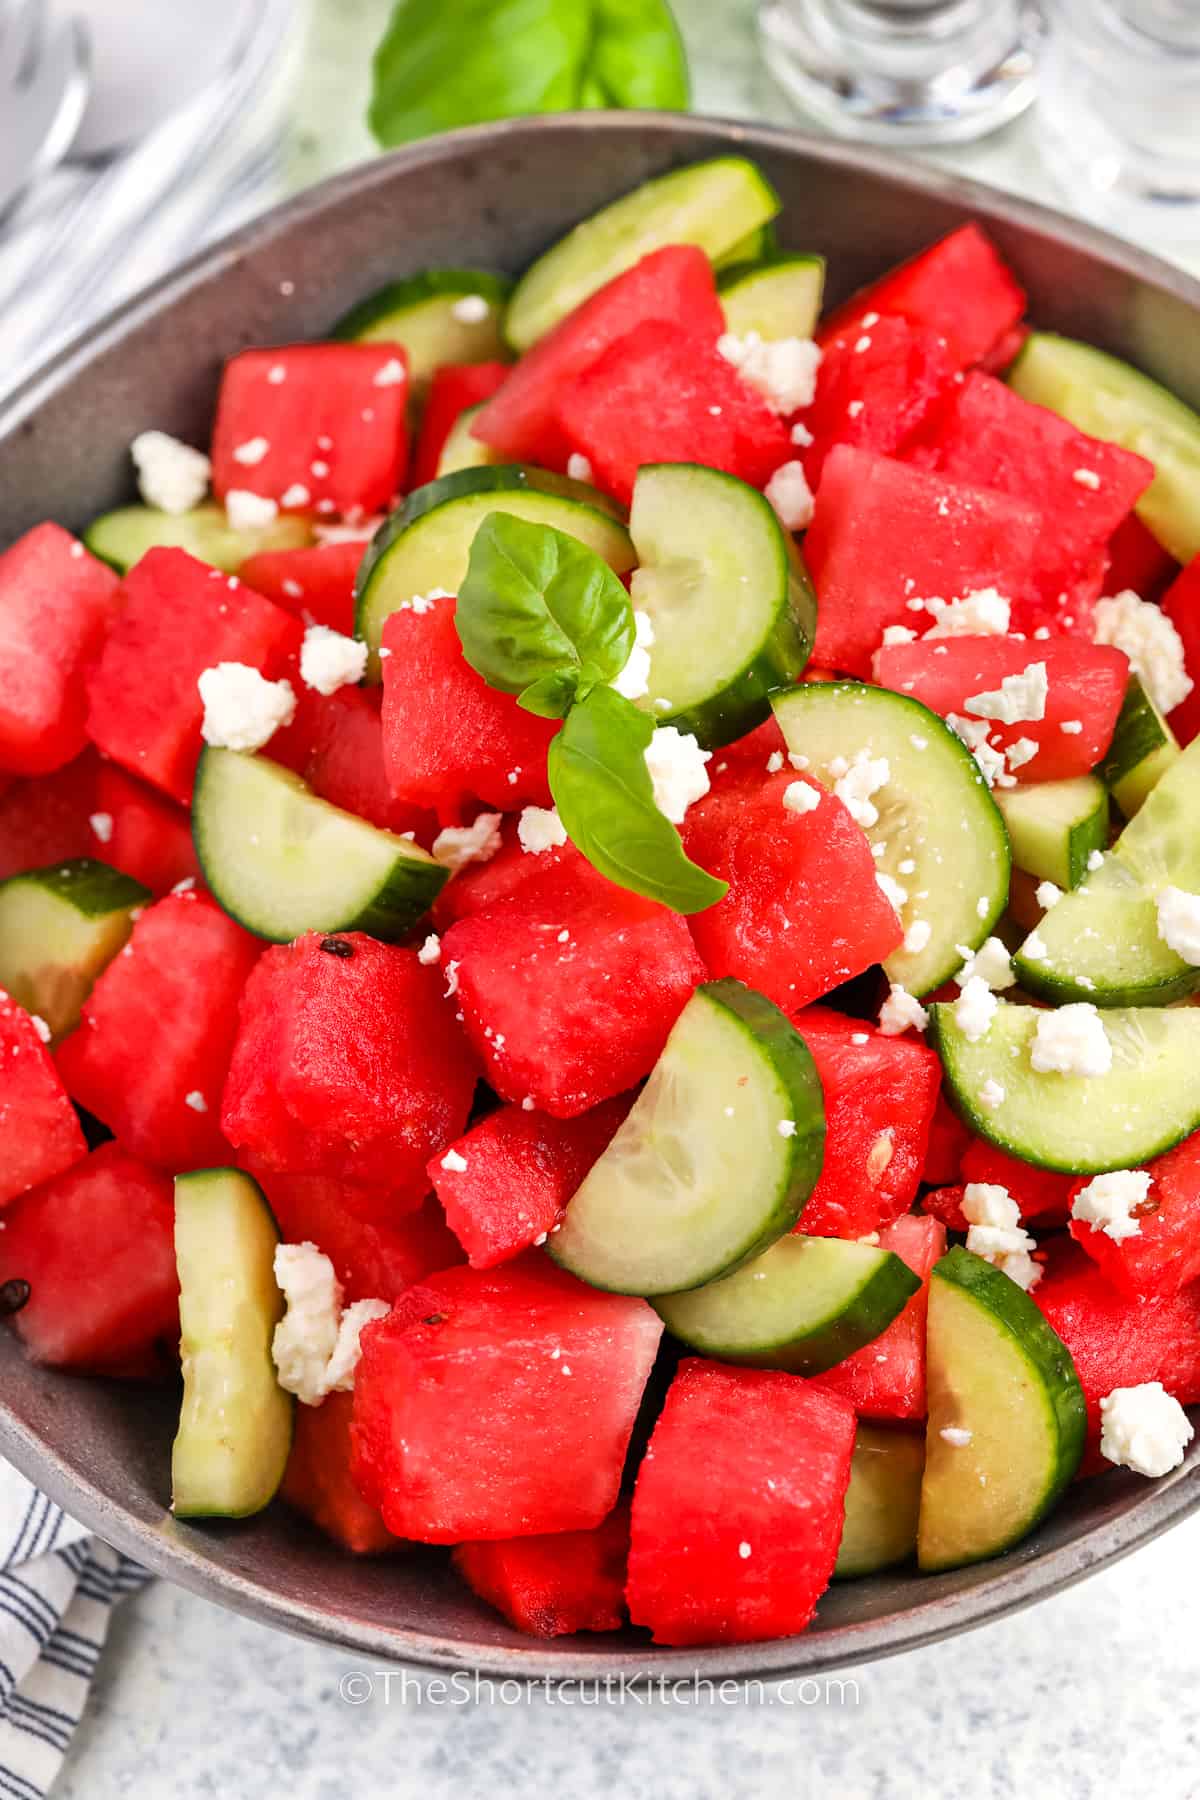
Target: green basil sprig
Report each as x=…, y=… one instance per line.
x=540, y=615
x=444, y=63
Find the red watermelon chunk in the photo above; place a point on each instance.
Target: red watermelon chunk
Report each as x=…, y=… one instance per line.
x=739, y=1506
x=666, y=394
x=948, y=1139
x=959, y=289
x=1137, y=560
x=97, y=1247
x=880, y=1095
x=499, y=1404
x=318, y=1483
x=150, y=1052
x=454, y=387
x=56, y=604
x=449, y=738
x=332, y=417
x=1181, y=603
x=344, y=763
x=885, y=533
x=804, y=911
x=945, y=1203
x=315, y=582
x=569, y=993
x=875, y=387
x=1087, y=685
x=39, y=1131
x=886, y=1379
x=348, y=1066
x=179, y=618
x=674, y=285
x=521, y=1169
x=92, y=808
x=1164, y=1256
x=549, y=1586
x=1039, y=1193
x=44, y=818
x=478, y=886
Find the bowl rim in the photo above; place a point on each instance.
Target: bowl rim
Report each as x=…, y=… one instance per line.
x=1020, y=1577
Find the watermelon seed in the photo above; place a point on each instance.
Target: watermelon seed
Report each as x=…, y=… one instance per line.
x=337, y=947
x=435, y=1319
x=13, y=1296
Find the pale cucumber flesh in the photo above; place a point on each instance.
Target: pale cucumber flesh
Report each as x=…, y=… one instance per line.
x=779, y=298
x=1054, y=827
x=123, y=537
x=882, y=1501
x=59, y=928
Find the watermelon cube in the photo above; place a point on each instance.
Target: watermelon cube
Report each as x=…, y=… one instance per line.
x=40, y=1135
x=150, y=1052
x=1181, y=603
x=97, y=1248
x=1040, y=1194
x=569, y=992
x=454, y=387
x=1086, y=686
x=519, y=1169
x=179, y=618
x=92, y=808
x=331, y=418
x=880, y=1096
x=499, y=1404
x=804, y=911
x=44, y=818
x=1137, y=560
x=875, y=387
x=448, y=738
x=1164, y=1255
x=343, y=762
x=948, y=1140
x=349, y=1064
x=666, y=394
x=739, y=1506
x=672, y=285
x=318, y=1483
x=315, y=582
x=945, y=1203
x=56, y=604
x=549, y=1586
x=478, y=886
x=886, y=1379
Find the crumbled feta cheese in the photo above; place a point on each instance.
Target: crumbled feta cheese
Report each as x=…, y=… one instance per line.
x=540, y=828
x=1179, y=922
x=917, y=937
x=987, y=1203
x=1087, y=478
x=801, y=797
x=900, y=1011
x=1034, y=947
x=431, y=950
x=995, y=1232
x=170, y=475
x=801, y=436
x=1150, y=641
x=343, y=1362
x=101, y=826
x=458, y=845
x=1019, y=697
x=990, y=964
x=634, y=680
x=992, y=1094
x=276, y=374
x=676, y=764
x=895, y=895
x=391, y=374
x=898, y=634
x=319, y=469
x=1144, y=1428
x=957, y=1435
x=1071, y=727
x=981, y=612
x=248, y=512
x=251, y=452
x=789, y=493
x=196, y=1101
x=454, y=1162
x=472, y=309
x=306, y=1336
x=425, y=603
x=975, y=1009
x=863, y=779
x=1072, y=1041
x=1109, y=1202
x=1047, y=894
x=295, y=496
x=854, y=408
x=578, y=467
x=329, y=661
x=786, y=1128
x=40, y=1026
x=1021, y=751
x=774, y=762
x=974, y=734
x=743, y=1548
x=783, y=370
x=242, y=709
x=451, y=974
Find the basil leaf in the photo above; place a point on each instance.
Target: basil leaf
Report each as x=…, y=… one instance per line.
x=541, y=615
x=446, y=64
x=605, y=799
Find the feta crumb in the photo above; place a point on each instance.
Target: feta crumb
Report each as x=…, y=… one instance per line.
x=40, y=1026
x=425, y=603
x=454, y=1162
x=319, y=469
x=783, y=370
x=900, y=1011
x=1021, y=751
x=343, y=1362
x=957, y=1435
x=898, y=634
x=1109, y=1202
x=917, y=937
x=1095, y=861
x=786, y=1128
x=1087, y=478
x=242, y=709
x=992, y=1094
x=540, y=828
x=1179, y=923
x=248, y=512
x=276, y=374
x=1071, y=727
x=860, y=1037
x=981, y=612
x=743, y=1549
x=1072, y=1041
x=860, y=781
x=1047, y=894
x=895, y=895
x=329, y=661
x=1150, y=641
x=789, y=493
x=677, y=772
x=579, y=468
x=101, y=826
x=801, y=436
x=1019, y=697
x=306, y=1337
x=634, y=680
x=458, y=845
x=472, y=309
x=431, y=950
x=451, y=974
x=251, y=452
x=801, y=797
x=1144, y=1428
x=170, y=475
x=391, y=374
x=995, y=1233
x=974, y=734
x=1034, y=947
x=196, y=1101
x=295, y=496
x=854, y=408
x=774, y=762
x=975, y=1009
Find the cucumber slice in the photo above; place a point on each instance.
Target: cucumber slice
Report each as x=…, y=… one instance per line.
x=754, y=247
x=701, y=1177
x=426, y=543
x=1101, y=943
x=235, y=1421
x=778, y=298
x=733, y=610
x=59, y=928
x=1102, y=395
x=1077, y=1124
x=123, y=537
x=804, y=1305
x=882, y=1501
x=1054, y=826
x=997, y=1371
x=1143, y=748
x=710, y=204
x=939, y=830
x=281, y=862
x=461, y=450
x=419, y=314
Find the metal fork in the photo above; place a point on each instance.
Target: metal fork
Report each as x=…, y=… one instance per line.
x=44, y=79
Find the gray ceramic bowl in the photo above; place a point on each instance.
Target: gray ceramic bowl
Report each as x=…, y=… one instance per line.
x=495, y=197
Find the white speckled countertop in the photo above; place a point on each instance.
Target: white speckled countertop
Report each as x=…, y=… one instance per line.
x=1092, y=1692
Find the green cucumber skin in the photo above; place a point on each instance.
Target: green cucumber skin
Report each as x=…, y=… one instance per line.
x=1088, y=833
x=731, y=281
x=414, y=290
x=1143, y=747
x=1040, y=1346
x=894, y=1514
x=1061, y=990
x=122, y=537
x=91, y=887
x=757, y=246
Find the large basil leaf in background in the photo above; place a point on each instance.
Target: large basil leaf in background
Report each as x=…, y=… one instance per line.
x=605, y=799
x=444, y=63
